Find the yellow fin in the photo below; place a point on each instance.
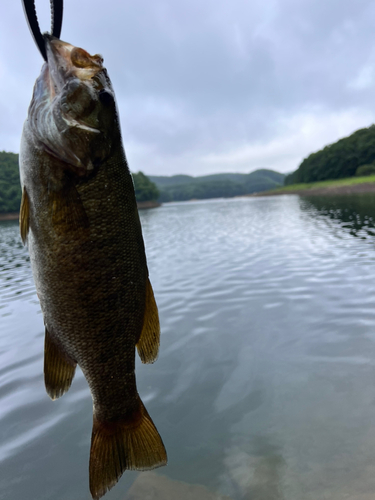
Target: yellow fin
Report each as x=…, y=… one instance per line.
x=131, y=444
x=24, y=215
x=149, y=340
x=59, y=369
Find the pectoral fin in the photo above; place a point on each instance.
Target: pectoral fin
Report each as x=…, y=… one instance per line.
x=59, y=369
x=149, y=341
x=24, y=216
x=67, y=209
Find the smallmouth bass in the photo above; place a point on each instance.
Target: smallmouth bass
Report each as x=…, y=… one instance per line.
x=80, y=220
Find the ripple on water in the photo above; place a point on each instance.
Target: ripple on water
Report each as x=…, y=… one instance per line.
x=264, y=384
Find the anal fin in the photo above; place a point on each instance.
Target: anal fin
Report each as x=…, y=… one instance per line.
x=59, y=369
x=130, y=444
x=149, y=340
x=24, y=215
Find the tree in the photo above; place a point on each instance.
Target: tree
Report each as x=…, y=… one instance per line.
x=337, y=160
x=145, y=190
x=10, y=189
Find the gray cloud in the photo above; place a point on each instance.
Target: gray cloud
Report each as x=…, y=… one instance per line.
x=206, y=86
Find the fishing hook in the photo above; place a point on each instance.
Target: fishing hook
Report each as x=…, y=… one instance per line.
x=56, y=22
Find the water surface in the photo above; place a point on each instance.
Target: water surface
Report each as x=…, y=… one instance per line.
x=265, y=384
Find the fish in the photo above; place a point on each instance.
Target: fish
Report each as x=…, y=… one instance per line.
x=79, y=219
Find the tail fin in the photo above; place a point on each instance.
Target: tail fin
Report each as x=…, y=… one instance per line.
x=117, y=446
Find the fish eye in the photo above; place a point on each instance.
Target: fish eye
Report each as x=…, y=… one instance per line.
x=105, y=97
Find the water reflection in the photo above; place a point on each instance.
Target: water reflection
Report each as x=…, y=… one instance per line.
x=264, y=388
x=355, y=213
x=15, y=272
x=258, y=474
x=153, y=486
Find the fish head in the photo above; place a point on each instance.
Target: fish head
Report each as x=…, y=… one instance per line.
x=73, y=114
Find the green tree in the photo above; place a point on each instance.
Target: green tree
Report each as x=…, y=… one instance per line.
x=10, y=190
x=145, y=190
x=337, y=160
x=368, y=169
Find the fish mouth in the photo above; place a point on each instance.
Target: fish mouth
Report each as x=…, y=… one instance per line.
x=73, y=111
x=74, y=76
x=66, y=61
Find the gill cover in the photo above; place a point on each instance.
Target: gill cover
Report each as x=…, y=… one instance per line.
x=73, y=114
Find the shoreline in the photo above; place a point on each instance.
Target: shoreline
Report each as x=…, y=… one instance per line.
x=9, y=216
x=360, y=188
x=148, y=204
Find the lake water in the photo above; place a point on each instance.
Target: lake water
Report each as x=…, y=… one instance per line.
x=265, y=384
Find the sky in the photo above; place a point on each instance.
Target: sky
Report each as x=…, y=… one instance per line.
x=209, y=86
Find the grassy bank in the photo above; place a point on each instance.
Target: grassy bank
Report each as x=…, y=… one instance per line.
x=337, y=186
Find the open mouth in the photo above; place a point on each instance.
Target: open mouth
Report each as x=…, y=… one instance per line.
x=65, y=61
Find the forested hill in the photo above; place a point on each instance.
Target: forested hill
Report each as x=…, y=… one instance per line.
x=353, y=155
x=186, y=187
x=347, y=157
x=10, y=190
x=175, y=188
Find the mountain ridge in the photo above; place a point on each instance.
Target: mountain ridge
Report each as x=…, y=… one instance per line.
x=185, y=187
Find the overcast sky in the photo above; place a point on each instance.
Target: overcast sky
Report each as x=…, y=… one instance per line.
x=207, y=86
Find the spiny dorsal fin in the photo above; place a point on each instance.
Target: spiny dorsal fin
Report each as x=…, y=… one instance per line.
x=149, y=341
x=24, y=215
x=131, y=444
x=59, y=369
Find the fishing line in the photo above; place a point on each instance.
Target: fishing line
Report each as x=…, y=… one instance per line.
x=32, y=20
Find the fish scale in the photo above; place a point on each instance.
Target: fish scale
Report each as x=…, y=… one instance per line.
x=80, y=220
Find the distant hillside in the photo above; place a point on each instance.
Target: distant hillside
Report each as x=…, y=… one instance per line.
x=185, y=187
x=338, y=160
x=145, y=190
x=175, y=188
x=10, y=190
